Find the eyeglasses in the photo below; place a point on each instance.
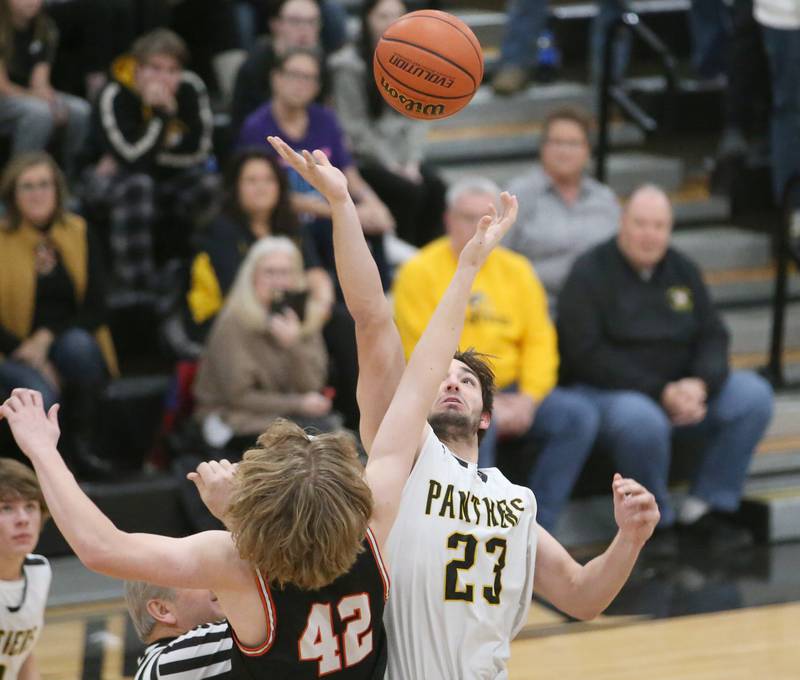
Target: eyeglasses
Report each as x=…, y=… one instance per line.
x=309, y=22
x=310, y=78
x=31, y=187
x=566, y=143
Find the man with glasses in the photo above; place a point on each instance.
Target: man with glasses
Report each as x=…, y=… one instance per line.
x=562, y=211
x=507, y=319
x=297, y=23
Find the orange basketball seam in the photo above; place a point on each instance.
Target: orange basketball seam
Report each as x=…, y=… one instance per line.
x=429, y=51
x=413, y=89
x=420, y=13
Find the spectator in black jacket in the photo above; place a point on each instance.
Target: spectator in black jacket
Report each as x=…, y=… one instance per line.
x=152, y=142
x=639, y=335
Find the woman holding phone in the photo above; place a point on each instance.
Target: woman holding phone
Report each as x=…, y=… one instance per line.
x=261, y=362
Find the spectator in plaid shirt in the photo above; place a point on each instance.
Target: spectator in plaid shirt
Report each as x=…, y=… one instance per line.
x=152, y=142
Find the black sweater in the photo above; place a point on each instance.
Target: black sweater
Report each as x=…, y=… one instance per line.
x=618, y=330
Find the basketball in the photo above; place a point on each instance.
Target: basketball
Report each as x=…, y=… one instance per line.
x=428, y=64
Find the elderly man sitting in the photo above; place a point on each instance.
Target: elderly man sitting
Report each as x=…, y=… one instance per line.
x=640, y=337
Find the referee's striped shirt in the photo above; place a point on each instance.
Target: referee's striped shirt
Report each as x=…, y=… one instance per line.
x=203, y=652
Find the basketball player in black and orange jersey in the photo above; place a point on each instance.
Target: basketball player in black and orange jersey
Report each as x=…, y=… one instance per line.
x=299, y=577
x=465, y=550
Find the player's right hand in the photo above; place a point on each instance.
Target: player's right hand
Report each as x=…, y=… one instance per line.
x=490, y=231
x=34, y=430
x=315, y=168
x=214, y=480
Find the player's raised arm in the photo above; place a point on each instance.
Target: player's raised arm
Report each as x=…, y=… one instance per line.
x=380, y=352
x=172, y=562
x=401, y=431
x=584, y=591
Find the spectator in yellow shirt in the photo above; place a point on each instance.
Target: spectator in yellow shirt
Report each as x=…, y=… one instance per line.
x=507, y=318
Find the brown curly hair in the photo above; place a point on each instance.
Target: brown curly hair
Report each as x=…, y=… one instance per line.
x=300, y=507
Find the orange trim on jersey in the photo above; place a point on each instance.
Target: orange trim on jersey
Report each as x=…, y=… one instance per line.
x=376, y=553
x=269, y=617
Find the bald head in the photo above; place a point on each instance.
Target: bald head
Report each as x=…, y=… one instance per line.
x=646, y=227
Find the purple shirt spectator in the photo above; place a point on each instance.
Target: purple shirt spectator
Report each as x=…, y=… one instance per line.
x=323, y=132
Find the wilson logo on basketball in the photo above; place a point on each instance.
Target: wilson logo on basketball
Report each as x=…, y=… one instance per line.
x=410, y=104
x=419, y=71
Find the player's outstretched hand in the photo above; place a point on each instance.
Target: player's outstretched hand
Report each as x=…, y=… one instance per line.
x=214, y=480
x=635, y=509
x=315, y=168
x=33, y=429
x=490, y=231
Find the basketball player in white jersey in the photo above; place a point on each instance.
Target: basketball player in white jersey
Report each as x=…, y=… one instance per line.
x=310, y=637
x=465, y=551
x=24, y=577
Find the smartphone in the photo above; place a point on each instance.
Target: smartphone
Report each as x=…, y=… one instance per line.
x=290, y=299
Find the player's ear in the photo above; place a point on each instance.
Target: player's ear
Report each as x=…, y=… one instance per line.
x=161, y=611
x=485, y=421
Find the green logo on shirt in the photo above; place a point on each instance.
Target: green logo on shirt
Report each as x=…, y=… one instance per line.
x=680, y=299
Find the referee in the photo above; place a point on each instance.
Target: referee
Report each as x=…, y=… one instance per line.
x=184, y=630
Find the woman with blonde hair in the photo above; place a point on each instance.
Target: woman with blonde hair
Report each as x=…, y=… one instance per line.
x=53, y=336
x=278, y=368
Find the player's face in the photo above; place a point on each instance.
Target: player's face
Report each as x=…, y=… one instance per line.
x=382, y=16
x=296, y=83
x=565, y=152
x=258, y=188
x=457, y=412
x=20, y=524
x=36, y=194
x=196, y=607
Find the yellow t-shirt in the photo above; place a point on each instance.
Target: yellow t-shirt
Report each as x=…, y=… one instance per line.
x=506, y=317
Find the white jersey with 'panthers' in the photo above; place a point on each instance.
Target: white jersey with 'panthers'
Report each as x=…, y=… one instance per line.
x=462, y=554
x=22, y=605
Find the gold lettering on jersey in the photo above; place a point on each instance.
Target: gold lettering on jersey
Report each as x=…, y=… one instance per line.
x=16, y=642
x=470, y=508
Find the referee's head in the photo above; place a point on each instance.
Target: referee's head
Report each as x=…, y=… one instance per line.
x=159, y=612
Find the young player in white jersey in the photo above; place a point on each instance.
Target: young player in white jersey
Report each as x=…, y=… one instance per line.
x=465, y=551
x=24, y=577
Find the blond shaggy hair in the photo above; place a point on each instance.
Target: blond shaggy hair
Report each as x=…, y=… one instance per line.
x=300, y=508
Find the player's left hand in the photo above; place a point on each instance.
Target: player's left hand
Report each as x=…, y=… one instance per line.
x=33, y=429
x=490, y=231
x=635, y=509
x=214, y=480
